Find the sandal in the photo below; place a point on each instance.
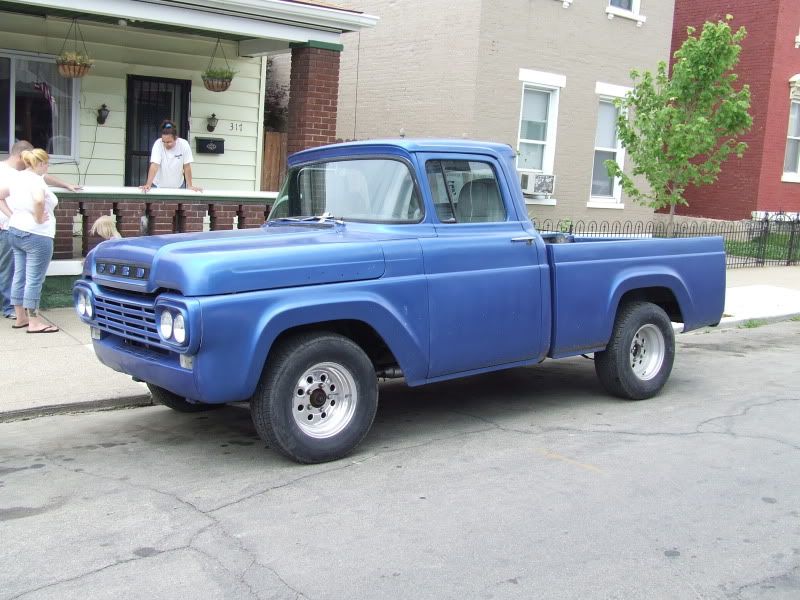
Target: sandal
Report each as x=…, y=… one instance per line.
x=48, y=329
x=23, y=326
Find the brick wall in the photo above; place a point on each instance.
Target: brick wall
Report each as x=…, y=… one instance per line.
x=159, y=218
x=768, y=59
x=773, y=194
x=313, y=97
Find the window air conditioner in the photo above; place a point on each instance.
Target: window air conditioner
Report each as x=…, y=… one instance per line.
x=537, y=184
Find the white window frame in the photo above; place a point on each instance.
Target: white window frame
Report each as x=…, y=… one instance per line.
x=794, y=98
x=607, y=92
x=552, y=84
x=791, y=176
x=634, y=14
x=76, y=91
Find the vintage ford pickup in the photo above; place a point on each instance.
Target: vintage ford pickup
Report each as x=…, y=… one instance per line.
x=397, y=258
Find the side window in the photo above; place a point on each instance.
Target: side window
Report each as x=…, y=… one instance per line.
x=465, y=191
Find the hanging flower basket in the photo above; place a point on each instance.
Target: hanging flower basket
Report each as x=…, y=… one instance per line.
x=73, y=69
x=75, y=63
x=216, y=84
x=217, y=79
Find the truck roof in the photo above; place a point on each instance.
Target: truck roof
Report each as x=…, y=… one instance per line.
x=408, y=145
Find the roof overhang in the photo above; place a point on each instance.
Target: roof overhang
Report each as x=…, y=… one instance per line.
x=260, y=26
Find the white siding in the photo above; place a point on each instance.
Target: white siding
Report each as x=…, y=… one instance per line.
x=122, y=51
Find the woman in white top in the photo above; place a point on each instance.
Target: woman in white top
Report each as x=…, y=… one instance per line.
x=31, y=230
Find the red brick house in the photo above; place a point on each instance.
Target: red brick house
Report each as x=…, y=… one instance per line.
x=767, y=179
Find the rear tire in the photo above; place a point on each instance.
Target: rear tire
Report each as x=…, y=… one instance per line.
x=317, y=397
x=638, y=359
x=175, y=402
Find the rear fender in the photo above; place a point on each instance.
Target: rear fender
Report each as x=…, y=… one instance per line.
x=628, y=281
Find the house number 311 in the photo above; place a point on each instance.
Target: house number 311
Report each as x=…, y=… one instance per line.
x=237, y=127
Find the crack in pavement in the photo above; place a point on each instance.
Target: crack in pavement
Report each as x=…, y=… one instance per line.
x=538, y=430
x=785, y=577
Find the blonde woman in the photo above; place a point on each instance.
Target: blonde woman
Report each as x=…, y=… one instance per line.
x=31, y=230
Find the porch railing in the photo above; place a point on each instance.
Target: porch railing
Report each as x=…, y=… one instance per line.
x=157, y=212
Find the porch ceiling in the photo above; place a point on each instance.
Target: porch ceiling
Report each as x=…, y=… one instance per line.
x=261, y=26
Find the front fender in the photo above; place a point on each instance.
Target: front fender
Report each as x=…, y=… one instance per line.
x=232, y=357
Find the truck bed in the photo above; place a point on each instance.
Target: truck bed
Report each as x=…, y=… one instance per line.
x=590, y=276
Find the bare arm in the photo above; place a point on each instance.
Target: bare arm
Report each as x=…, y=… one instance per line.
x=187, y=174
x=151, y=175
x=3, y=206
x=54, y=181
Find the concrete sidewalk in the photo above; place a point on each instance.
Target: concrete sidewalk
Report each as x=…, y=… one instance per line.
x=46, y=374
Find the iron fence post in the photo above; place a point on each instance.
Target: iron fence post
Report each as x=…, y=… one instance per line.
x=762, y=246
x=792, y=240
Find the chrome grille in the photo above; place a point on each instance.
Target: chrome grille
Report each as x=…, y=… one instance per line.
x=132, y=319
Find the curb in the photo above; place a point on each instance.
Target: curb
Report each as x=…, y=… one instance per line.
x=736, y=322
x=78, y=407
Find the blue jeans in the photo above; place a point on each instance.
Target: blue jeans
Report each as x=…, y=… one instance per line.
x=6, y=272
x=32, y=254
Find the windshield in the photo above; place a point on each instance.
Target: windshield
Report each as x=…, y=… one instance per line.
x=371, y=190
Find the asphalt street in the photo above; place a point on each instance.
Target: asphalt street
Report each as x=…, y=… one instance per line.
x=531, y=483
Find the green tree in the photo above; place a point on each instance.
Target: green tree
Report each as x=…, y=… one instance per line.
x=679, y=129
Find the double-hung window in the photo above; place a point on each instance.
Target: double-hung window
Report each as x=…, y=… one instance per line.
x=538, y=120
x=791, y=162
x=606, y=190
x=37, y=104
x=627, y=9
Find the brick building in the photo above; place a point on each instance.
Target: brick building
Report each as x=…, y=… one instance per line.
x=767, y=178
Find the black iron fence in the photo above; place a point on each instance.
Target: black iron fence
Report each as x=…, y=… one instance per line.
x=773, y=240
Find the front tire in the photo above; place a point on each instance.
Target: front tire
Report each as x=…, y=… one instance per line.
x=178, y=403
x=317, y=397
x=638, y=359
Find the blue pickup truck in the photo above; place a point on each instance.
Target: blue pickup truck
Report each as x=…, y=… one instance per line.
x=382, y=259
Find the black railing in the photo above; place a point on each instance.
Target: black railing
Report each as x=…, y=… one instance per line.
x=773, y=240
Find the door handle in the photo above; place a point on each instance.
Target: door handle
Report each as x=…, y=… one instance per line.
x=526, y=239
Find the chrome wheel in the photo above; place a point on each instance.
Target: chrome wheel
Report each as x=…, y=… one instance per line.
x=325, y=400
x=647, y=352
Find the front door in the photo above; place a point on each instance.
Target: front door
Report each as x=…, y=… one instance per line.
x=150, y=101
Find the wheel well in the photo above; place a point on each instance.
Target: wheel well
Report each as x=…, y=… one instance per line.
x=362, y=334
x=660, y=296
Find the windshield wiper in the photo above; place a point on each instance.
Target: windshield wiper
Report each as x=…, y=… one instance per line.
x=323, y=218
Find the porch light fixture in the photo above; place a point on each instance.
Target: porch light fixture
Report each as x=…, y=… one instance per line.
x=102, y=114
x=212, y=122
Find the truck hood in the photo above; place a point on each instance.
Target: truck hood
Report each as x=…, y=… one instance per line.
x=226, y=262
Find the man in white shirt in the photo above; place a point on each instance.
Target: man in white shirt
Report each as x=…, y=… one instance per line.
x=8, y=171
x=170, y=161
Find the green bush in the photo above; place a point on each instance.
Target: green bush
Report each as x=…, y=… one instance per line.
x=57, y=292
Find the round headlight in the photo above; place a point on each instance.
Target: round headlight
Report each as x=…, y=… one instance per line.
x=81, y=305
x=165, y=326
x=179, y=329
x=89, y=308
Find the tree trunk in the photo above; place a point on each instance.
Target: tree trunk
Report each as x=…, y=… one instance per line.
x=671, y=222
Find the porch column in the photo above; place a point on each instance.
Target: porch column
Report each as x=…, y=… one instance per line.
x=313, y=95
